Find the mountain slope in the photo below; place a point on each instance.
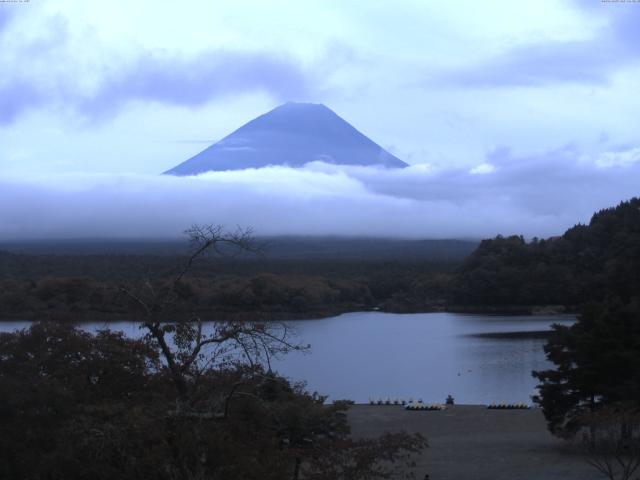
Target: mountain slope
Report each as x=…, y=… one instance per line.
x=292, y=134
x=588, y=263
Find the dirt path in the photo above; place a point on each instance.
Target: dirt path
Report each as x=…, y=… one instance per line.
x=472, y=442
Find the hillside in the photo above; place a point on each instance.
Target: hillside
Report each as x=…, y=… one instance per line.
x=588, y=263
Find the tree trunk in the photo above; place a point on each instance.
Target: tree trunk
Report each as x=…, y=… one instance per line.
x=296, y=470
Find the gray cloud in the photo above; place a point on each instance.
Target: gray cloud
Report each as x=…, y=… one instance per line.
x=591, y=61
x=542, y=64
x=21, y=89
x=6, y=15
x=34, y=81
x=16, y=97
x=193, y=81
x=534, y=196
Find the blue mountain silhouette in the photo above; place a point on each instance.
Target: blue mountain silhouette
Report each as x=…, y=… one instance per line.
x=292, y=134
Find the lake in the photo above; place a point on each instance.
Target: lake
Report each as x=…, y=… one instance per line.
x=426, y=356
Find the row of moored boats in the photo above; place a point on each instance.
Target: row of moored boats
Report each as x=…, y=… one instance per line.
x=412, y=404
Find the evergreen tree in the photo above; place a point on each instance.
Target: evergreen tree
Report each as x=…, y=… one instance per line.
x=597, y=363
x=588, y=263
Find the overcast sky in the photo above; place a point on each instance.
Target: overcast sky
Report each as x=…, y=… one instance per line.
x=517, y=117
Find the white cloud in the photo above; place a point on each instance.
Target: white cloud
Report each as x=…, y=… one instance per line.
x=622, y=158
x=482, y=169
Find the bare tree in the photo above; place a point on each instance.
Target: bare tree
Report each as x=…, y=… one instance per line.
x=190, y=348
x=612, y=445
x=211, y=364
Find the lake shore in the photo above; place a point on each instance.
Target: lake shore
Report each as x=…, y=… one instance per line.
x=107, y=316
x=475, y=443
x=206, y=315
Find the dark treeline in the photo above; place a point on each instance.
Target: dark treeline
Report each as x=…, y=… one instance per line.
x=588, y=263
x=78, y=287
x=291, y=277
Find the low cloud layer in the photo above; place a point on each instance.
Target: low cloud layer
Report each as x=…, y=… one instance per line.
x=539, y=196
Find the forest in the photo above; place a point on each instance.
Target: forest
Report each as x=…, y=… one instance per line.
x=504, y=274
x=587, y=263
x=81, y=287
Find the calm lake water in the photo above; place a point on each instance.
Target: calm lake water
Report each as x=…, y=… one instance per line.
x=423, y=356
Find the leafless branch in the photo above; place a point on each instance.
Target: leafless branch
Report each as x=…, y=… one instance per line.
x=613, y=445
x=184, y=345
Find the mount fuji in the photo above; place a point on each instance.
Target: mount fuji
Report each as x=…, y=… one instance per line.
x=290, y=135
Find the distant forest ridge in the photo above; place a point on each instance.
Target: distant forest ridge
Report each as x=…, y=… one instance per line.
x=277, y=247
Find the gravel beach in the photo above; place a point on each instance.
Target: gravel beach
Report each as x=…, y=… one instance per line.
x=473, y=442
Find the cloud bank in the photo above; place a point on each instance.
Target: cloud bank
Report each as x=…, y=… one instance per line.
x=539, y=196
